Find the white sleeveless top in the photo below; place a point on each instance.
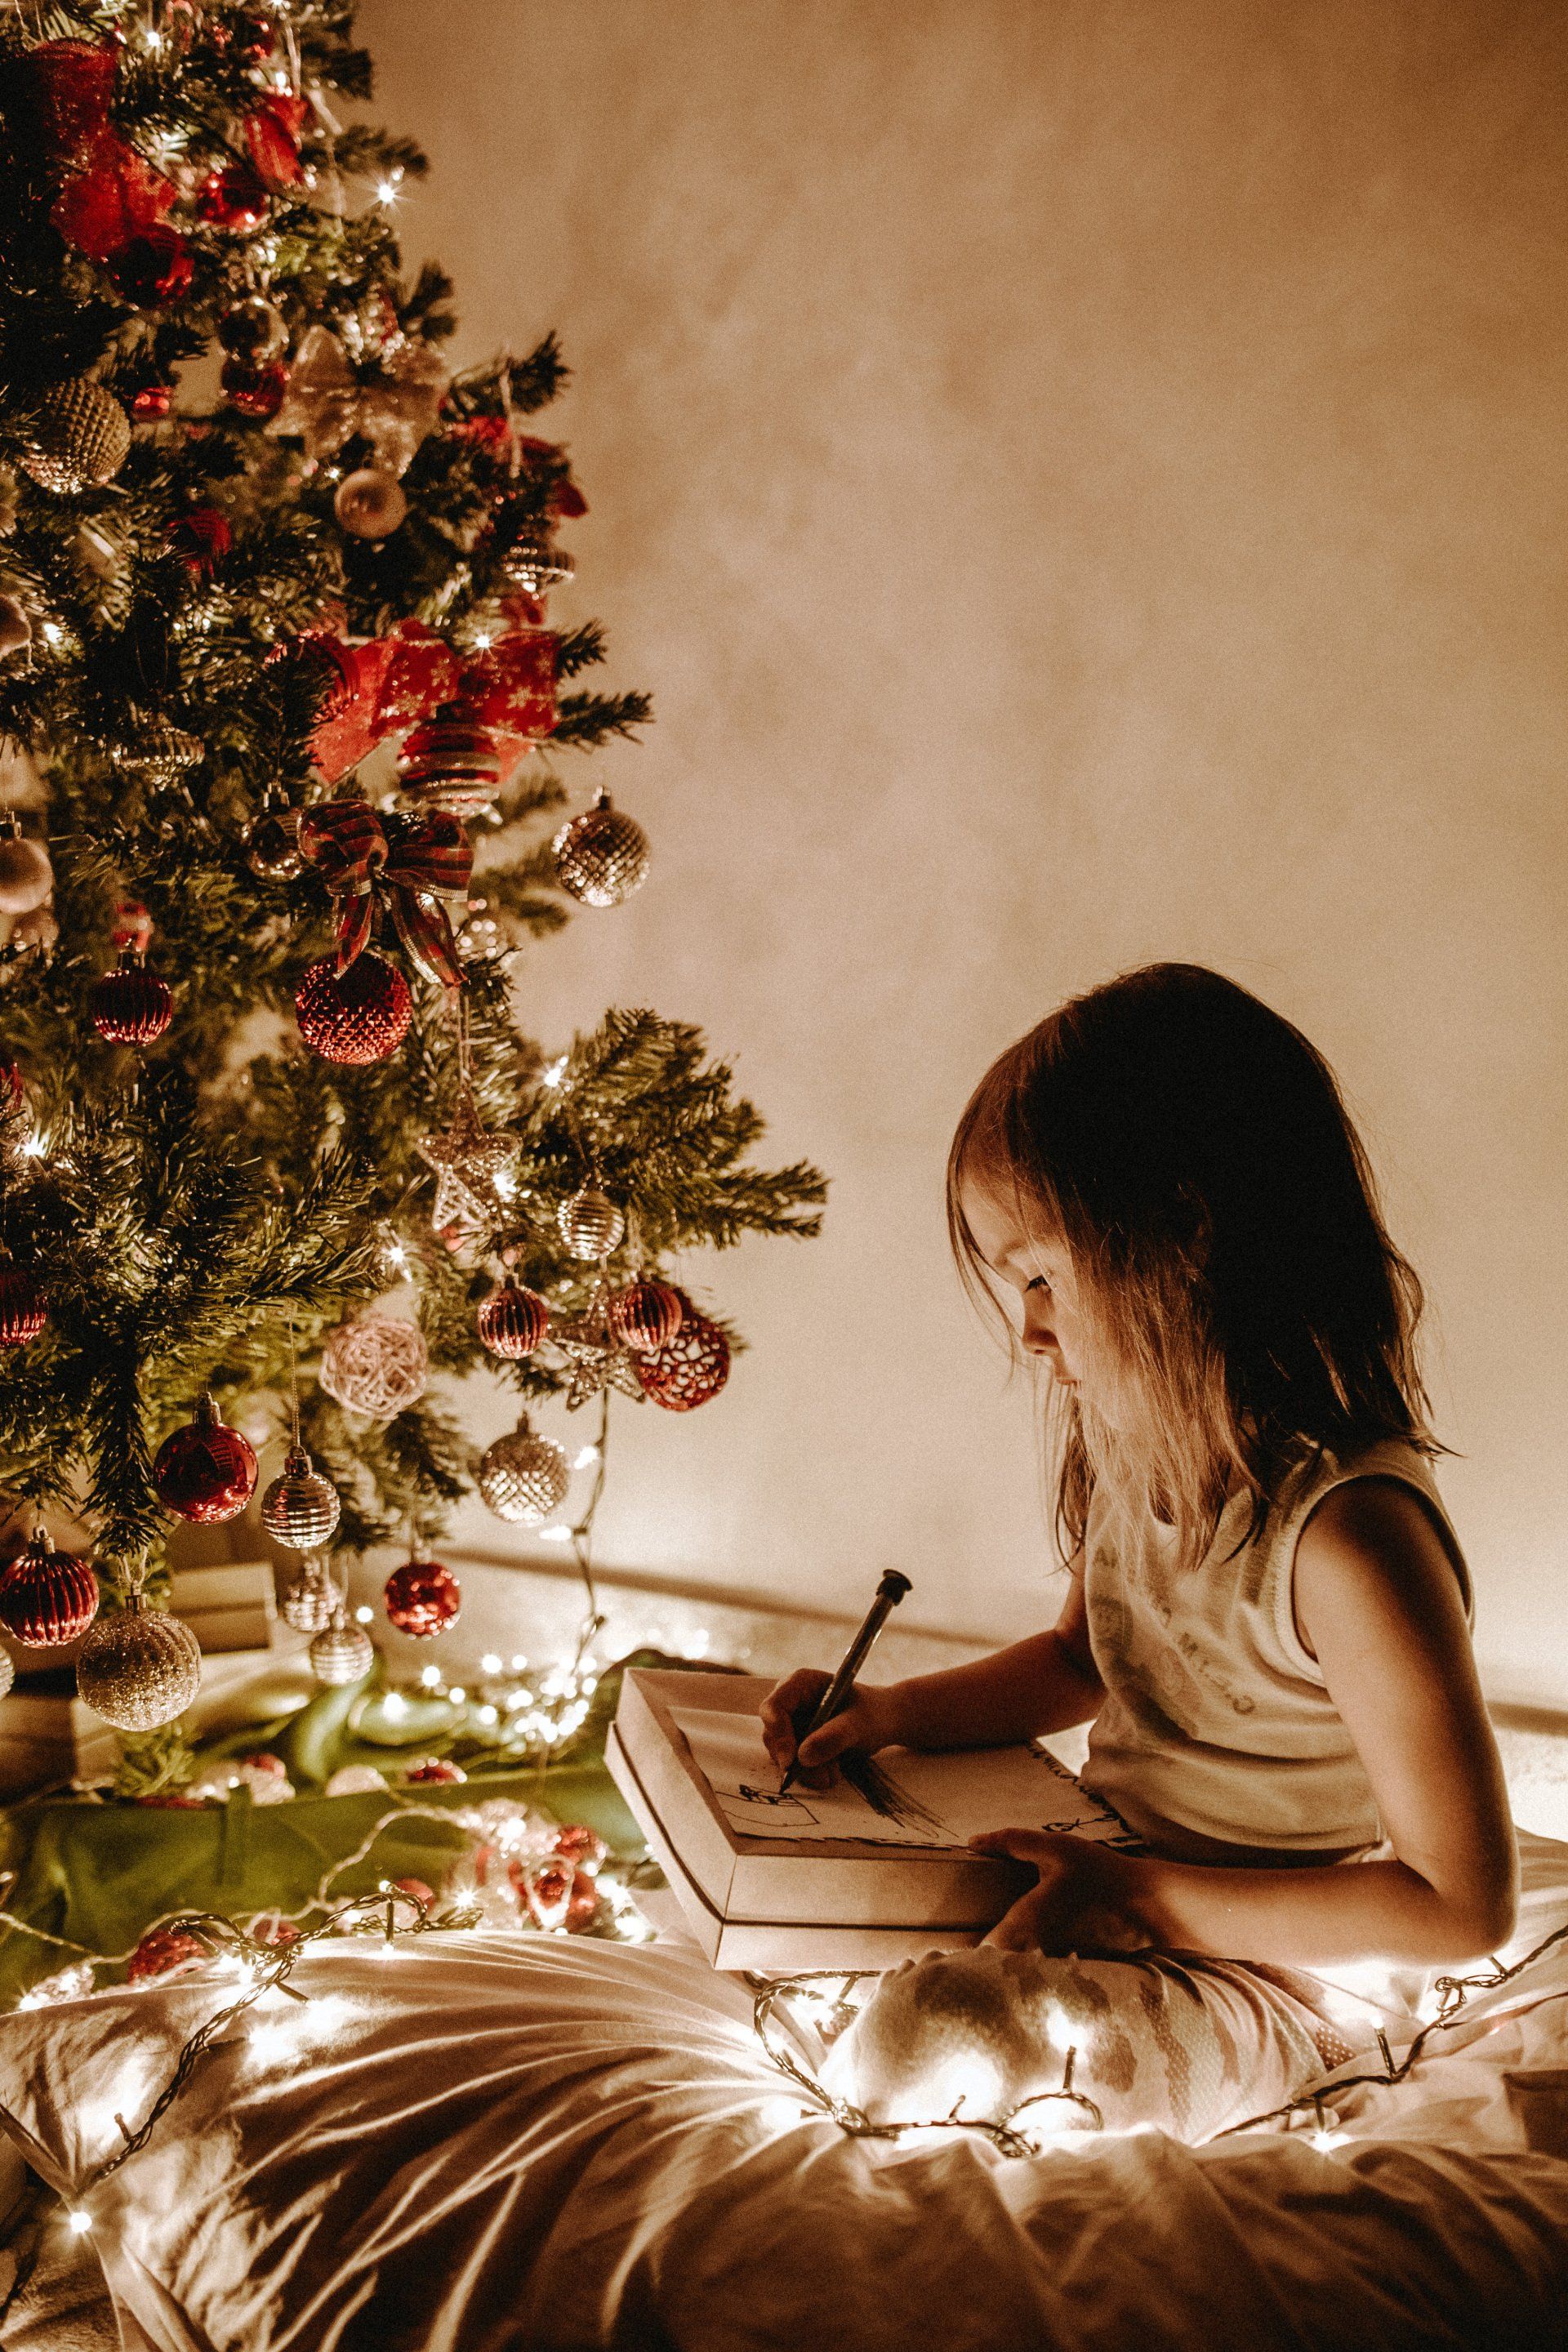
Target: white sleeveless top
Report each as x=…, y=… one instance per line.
x=1216, y=1722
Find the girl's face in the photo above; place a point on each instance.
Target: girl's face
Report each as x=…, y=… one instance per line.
x=1038, y=1266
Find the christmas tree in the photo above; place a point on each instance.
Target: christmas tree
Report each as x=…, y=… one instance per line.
x=255, y=538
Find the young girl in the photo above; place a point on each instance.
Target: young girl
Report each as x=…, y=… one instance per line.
x=1266, y=1625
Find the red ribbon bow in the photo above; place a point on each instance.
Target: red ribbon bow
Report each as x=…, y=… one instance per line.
x=406, y=859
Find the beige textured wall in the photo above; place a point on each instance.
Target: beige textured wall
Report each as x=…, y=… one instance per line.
x=1085, y=482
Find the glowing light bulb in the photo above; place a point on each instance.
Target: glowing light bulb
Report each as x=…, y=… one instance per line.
x=555, y=1534
x=78, y=2221
x=552, y=1073
x=395, y=1704
x=489, y=1715
x=457, y=1694
x=429, y=1676
x=586, y=1457
x=35, y=1146
x=490, y=1663
x=364, y=1616
x=386, y=190
x=518, y=1662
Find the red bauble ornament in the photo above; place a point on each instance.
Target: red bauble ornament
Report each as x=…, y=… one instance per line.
x=417, y=1890
x=234, y=198
x=205, y=1471
x=132, y=926
x=645, y=1317
x=153, y=267
x=46, y=1597
x=423, y=1598
x=131, y=1006
x=255, y=388
x=23, y=1308
x=436, y=1772
x=362, y=1017
x=161, y=1951
x=151, y=405
x=512, y=1321
x=692, y=1368
x=203, y=536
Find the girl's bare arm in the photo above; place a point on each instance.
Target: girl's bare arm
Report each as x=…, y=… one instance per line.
x=1378, y=1603
x=1043, y=1683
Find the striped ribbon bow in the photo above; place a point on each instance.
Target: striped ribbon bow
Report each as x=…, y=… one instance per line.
x=406, y=861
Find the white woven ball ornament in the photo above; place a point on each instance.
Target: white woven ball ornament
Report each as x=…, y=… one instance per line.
x=523, y=1477
x=377, y=1366
x=8, y=1672
x=342, y=1653
x=590, y=1225
x=138, y=1668
x=310, y=1603
x=602, y=857
x=77, y=436
x=300, y=1508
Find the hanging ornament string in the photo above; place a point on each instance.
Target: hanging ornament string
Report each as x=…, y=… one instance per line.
x=513, y=441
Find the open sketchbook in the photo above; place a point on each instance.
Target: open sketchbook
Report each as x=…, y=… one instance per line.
x=900, y=1797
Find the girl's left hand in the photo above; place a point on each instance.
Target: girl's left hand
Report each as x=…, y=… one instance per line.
x=1086, y=1900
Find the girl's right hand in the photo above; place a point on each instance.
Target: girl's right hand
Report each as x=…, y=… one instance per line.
x=867, y=1723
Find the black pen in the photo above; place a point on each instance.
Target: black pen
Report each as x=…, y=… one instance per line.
x=836, y=1697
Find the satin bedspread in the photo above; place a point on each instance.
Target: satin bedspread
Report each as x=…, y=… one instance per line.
x=479, y=2146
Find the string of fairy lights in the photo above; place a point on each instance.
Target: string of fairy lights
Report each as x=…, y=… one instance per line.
x=251, y=1970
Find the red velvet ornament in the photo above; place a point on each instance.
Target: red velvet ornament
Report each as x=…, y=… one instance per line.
x=46, y=1597
x=73, y=81
x=512, y=1321
x=362, y=1017
x=203, y=537
x=422, y=1598
x=434, y=1772
x=130, y=1005
x=234, y=198
x=10, y=1089
x=205, y=1471
x=692, y=1368
x=23, y=1308
x=254, y=389
x=645, y=1317
x=153, y=269
x=272, y=137
x=161, y=1951
x=117, y=198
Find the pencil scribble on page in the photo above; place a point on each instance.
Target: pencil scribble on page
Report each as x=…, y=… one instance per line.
x=885, y=1796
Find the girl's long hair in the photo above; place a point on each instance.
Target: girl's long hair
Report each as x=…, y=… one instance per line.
x=1193, y=1150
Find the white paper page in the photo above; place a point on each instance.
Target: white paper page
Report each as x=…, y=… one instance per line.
x=914, y=1799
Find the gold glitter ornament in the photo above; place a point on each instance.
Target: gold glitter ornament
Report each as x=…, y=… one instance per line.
x=310, y=1603
x=523, y=1476
x=370, y=504
x=535, y=565
x=300, y=1508
x=78, y=437
x=377, y=1366
x=138, y=1668
x=602, y=857
x=342, y=1653
x=590, y=1225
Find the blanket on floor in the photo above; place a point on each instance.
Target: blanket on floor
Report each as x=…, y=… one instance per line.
x=479, y=2144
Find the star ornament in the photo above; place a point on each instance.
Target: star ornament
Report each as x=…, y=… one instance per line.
x=476, y=1176
x=596, y=1357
